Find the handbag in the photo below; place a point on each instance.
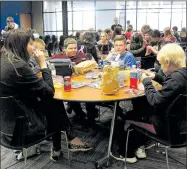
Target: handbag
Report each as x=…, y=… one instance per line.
x=63, y=66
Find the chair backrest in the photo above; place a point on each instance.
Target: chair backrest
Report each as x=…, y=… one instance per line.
x=147, y=62
x=19, y=124
x=9, y=113
x=176, y=120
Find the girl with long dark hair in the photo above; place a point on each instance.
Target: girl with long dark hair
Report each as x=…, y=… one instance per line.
x=32, y=94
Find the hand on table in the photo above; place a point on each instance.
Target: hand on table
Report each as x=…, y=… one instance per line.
x=147, y=75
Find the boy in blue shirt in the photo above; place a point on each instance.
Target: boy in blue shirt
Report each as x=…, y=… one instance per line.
x=120, y=48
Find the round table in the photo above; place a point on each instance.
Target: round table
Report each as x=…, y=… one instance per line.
x=88, y=94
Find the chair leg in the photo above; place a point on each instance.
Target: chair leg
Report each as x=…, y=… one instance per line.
x=99, y=113
x=166, y=150
x=126, y=148
x=25, y=156
x=67, y=146
x=157, y=147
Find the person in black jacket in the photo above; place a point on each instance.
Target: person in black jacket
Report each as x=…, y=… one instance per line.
x=155, y=103
x=88, y=43
x=32, y=94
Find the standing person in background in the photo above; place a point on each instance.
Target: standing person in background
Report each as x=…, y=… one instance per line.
x=11, y=25
x=129, y=24
x=115, y=24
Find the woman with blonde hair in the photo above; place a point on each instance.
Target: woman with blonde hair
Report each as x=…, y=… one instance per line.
x=156, y=102
x=168, y=35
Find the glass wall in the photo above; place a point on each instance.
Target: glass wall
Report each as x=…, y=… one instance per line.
x=52, y=18
x=83, y=15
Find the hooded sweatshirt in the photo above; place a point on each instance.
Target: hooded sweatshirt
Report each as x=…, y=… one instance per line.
x=90, y=49
x=172, y=86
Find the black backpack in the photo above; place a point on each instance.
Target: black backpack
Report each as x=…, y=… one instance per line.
x=63, y=66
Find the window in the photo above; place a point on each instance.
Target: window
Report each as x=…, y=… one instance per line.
x=164, y=18
x=179, y=14
x=83, y=20
x=49, y=6
x=52, y=17
x=103, y=22
x=83, y=15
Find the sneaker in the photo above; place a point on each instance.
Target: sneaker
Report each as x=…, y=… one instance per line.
x=55, y=155
x=75, y=147
x=121, y=158
x=140, y=153
x=30, y=152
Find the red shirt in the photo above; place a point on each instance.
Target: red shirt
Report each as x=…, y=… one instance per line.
x=128, y=35
x=77, y=59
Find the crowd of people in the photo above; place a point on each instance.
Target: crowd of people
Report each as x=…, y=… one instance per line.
x=21, y=62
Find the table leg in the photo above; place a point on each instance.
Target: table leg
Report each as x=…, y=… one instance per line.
x=106, y=158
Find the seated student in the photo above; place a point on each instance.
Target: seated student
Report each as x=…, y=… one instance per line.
x=104, y=45
x=168, y=35
x=175, y=33
x=155, y=103
x=128, y=33
x=109, y=33
x=183, y=38
x=32, y=94
x=38, y=44
x=159, y=42
x=137, y=45
x=70, y=51
x=120, y=48
x=88, y=45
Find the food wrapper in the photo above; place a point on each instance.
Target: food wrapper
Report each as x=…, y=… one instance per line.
x=109, y=84
x=85, y=66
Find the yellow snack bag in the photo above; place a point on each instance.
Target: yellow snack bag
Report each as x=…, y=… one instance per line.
x=85, y=66
x=109, y=84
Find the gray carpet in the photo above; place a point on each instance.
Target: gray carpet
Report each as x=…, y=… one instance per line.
x=98, y=138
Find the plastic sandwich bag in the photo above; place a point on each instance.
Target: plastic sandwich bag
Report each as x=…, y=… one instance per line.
x=109, y=83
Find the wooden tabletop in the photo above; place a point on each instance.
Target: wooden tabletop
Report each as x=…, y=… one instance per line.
x=88, y=94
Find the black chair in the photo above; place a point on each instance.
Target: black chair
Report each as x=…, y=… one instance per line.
x=17, y=140
x=147, y=62
x=176, y=127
